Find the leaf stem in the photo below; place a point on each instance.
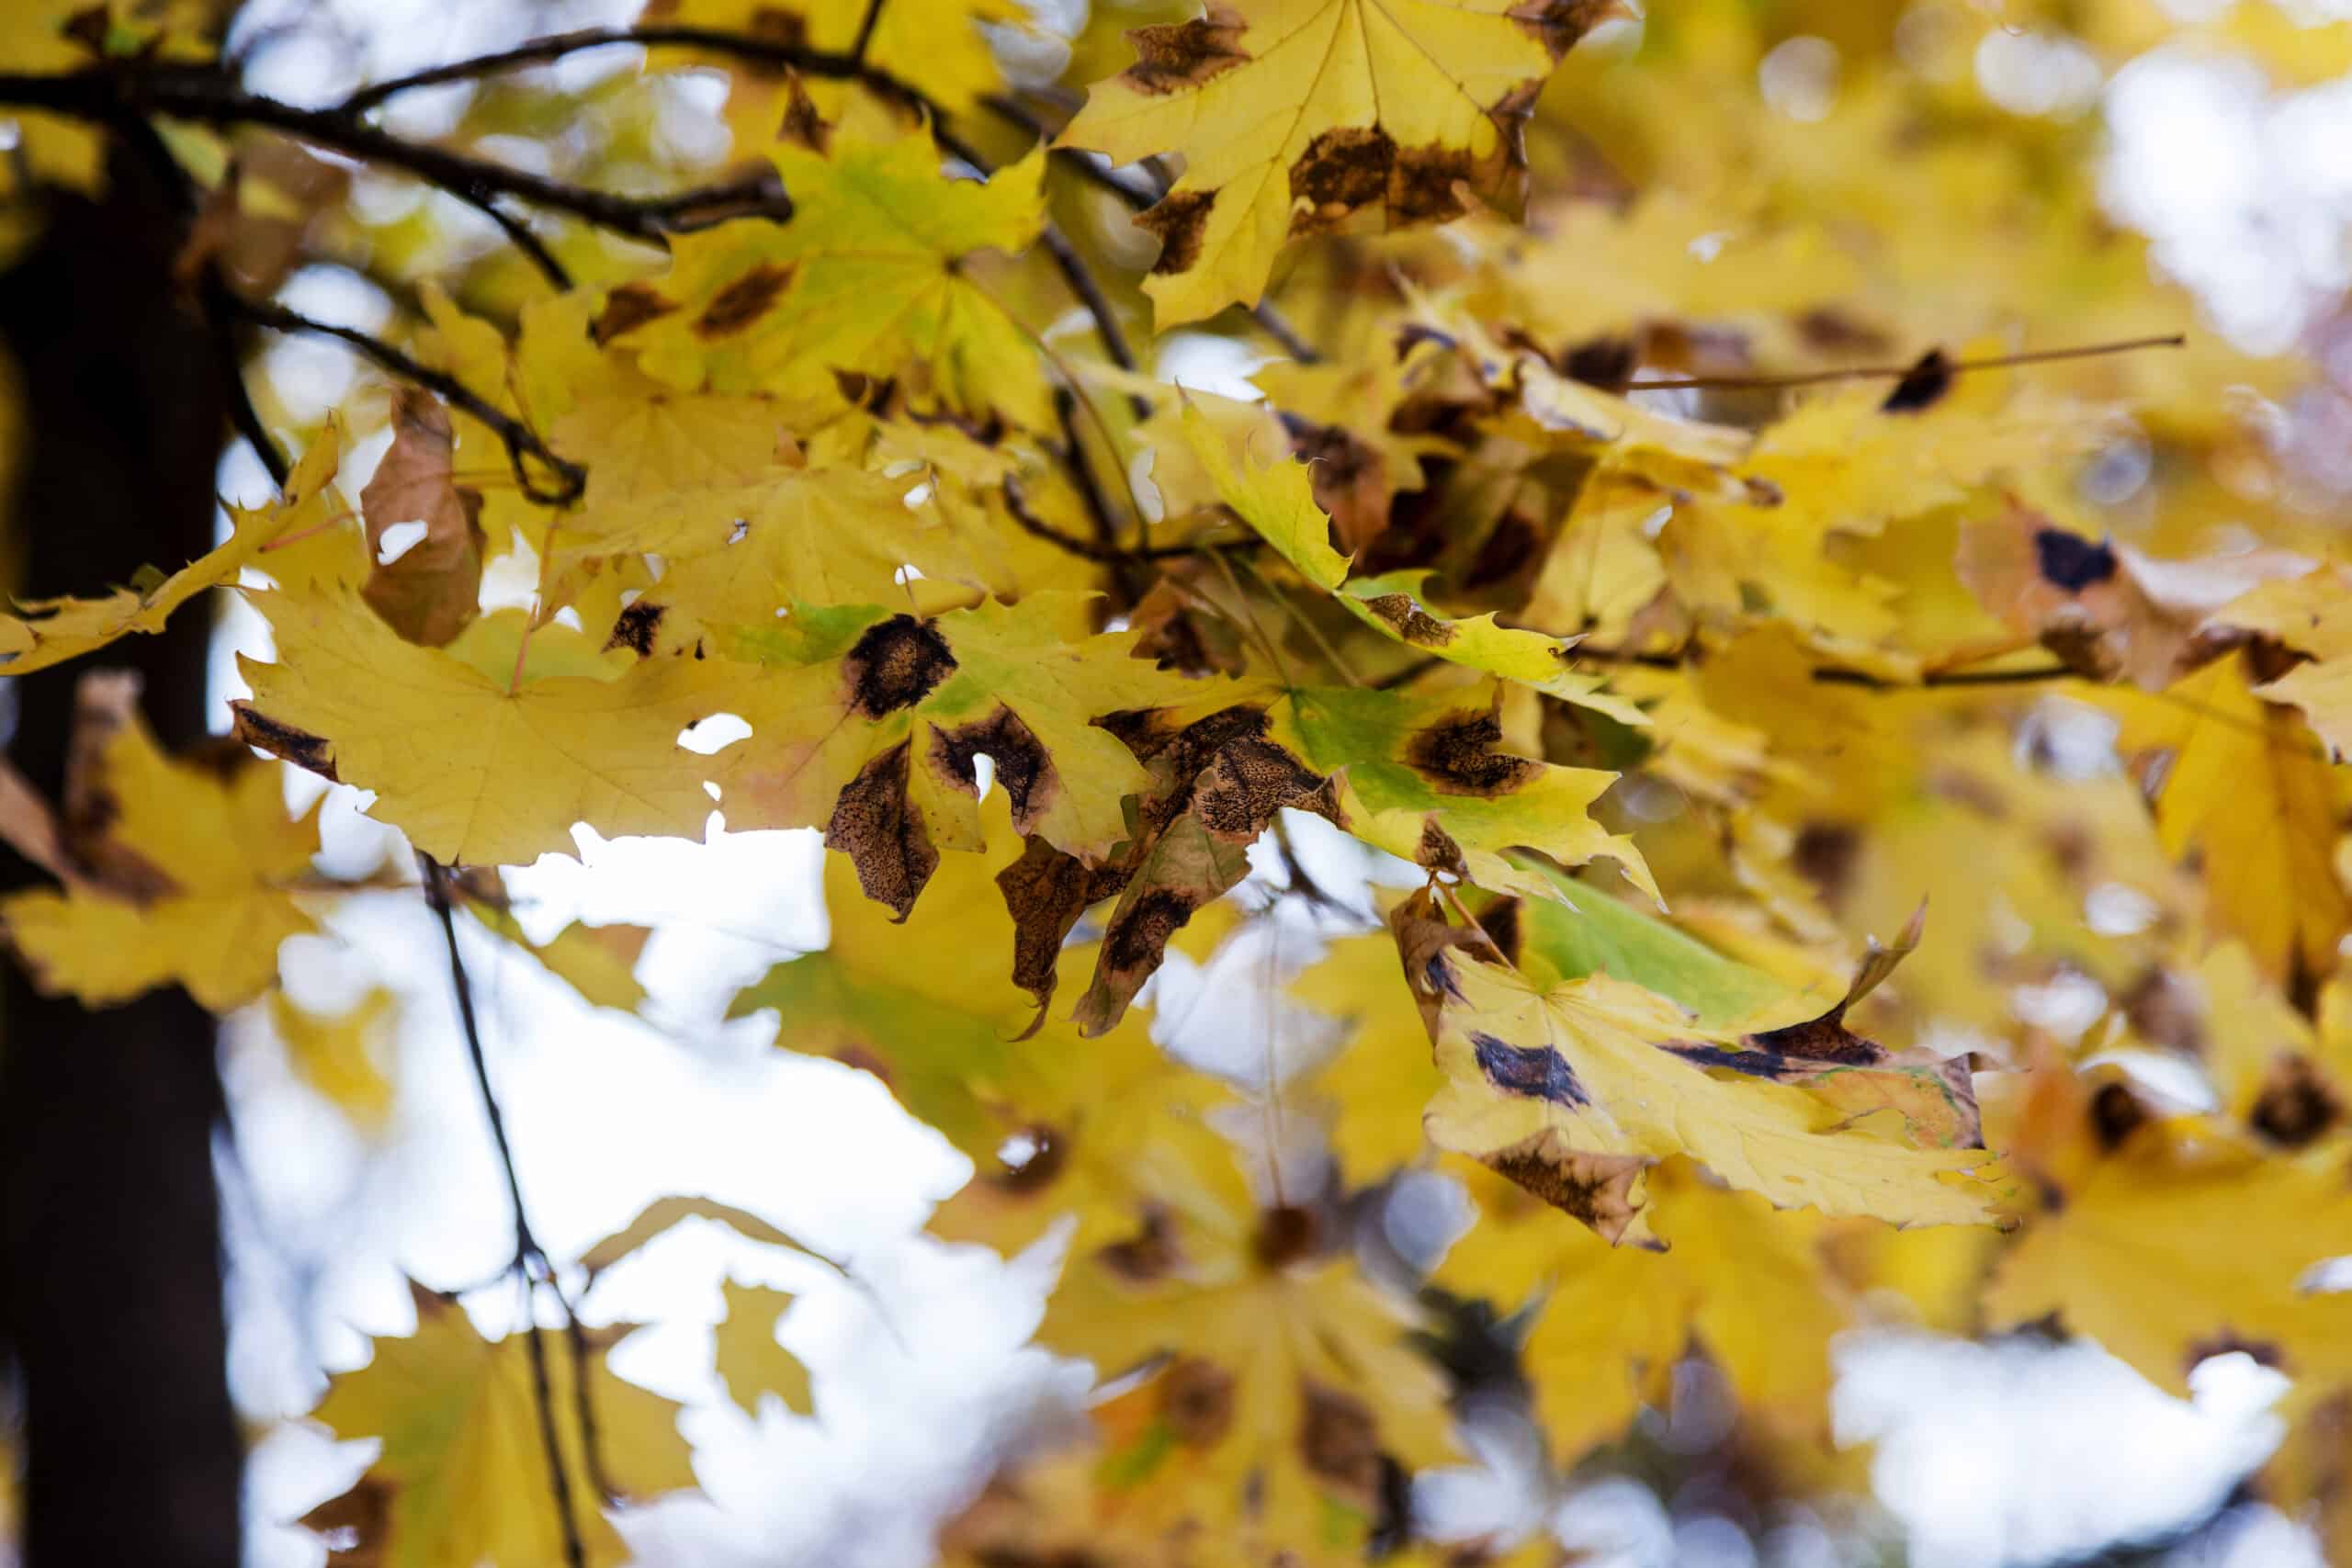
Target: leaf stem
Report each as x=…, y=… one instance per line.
x=1896, y=372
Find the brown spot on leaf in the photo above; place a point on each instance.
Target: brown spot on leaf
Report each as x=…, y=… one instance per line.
x=1437, y=851
x=1196, y=1401
x=1181, y=222
x=635, y=627
x=1345, y=168
x=2296, y=1105
x=1606, y=362
x=1420, y=187
x=1536, y=1071
x=1922, y=386
x=802, y=124
x=1595, y=1189
x=1250, y=779
x=895, y=665
x=1825, y=854
x=1558, y=24
x=299, y=747
x=2070, y=562
x=773, y=24
x=354, y=1525
x=1147, y=1256
x=1023, y=770
x=1178, y=56
x=743, y=301
x=1340, y=1439
x=1048, y=1157
x=1138, y=935
x=2165, y=1011
x=1411, y=622
x=2265, y=1352
x=2116, y=1113
x=628, y=307
x=1285, y=1234
x=1456, y=754
x=883, y=833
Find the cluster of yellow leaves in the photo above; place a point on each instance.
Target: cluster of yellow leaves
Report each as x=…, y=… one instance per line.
x=1654, y=526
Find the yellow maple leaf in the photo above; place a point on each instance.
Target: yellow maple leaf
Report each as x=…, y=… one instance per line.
x=2248, y=797
x=947, y=1035
x=463, y=1475
x=1302, y=117
x=1748, y=1284
x=341, y=1054
x=2168, y=1240
x=1287, y=1389
x=2310, y=614
x=1565, y=1090
x=476, y=767
x=750, y=1361
x=189, y=879
x=1277, y=500
x=872, y=275
x=55, y=630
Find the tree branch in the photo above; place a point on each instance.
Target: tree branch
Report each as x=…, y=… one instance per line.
x=829, y=64
x=528, y=1255
x=520, y=440
x=106, y=94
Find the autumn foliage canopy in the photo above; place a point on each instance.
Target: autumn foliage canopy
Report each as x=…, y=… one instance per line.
x=1673, y=534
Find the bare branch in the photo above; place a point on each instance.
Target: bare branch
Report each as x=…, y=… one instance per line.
x=520, y=440
x=528, y=1255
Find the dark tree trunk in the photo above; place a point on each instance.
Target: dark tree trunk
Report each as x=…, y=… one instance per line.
x=109, y=1219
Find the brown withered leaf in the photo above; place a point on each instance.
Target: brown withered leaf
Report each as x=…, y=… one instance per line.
x=432, y=591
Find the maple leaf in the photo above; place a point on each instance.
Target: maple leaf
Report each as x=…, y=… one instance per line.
x=1287, y=1394
x=1573, y=1091
x=867, y=724
x=341, y=1054
x=598, y=962
x=463, y=1475
x=2167, y=1241
x=1749, y=1285
x=750, y=1361
x=870, y=276
x=1277, y=500
x=1417, y=776
x=1304, y=117
x=55, y=630
x=432, y=591
x=472, y=764
x=2249, y=795
x=177, y=871
x=2307, y=613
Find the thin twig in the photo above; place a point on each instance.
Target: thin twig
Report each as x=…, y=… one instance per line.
x=829, y=64
x=1272, y=322
x=866, y=27
x=527, y=1251
x=519, y=439
x=106, y=94
x=1896, y=372
x=1017, y=503
x=1097, y=172
x=244, y=418
x=518, y=234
